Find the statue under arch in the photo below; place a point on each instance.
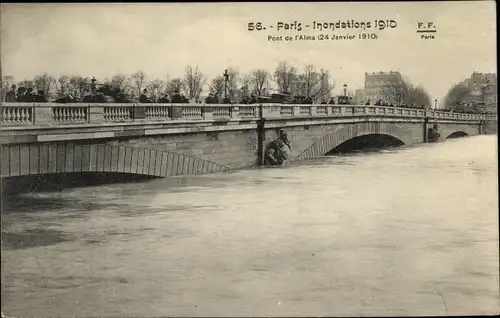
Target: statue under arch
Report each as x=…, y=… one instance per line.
x=433, y=134
x=278, y=151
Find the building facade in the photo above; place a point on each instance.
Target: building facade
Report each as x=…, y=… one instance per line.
x=490, y=99
x=483, y=92
x=378, y=84
x=360, y=96
x=477, y=80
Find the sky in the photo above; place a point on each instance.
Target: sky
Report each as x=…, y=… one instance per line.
x=162, y=39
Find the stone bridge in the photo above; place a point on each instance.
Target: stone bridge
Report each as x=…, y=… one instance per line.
x=168, y=140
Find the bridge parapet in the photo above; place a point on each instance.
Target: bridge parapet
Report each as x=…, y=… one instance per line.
x=54, y=114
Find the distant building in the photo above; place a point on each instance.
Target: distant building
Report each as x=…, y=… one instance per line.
x=477, y=80
x=377, y=84
x=483, y=95
x=489, y=94
x=360, y=97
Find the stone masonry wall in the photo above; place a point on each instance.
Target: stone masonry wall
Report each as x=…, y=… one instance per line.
x=232, y=149
x=304, y=137
x=198, y=152
x=447, y=129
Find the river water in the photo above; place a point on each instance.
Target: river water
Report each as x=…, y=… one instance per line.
x=406, y=231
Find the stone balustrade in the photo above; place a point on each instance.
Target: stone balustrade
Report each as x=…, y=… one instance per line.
x=52, y=114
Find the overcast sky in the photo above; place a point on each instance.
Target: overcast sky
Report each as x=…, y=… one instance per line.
x=161, y=39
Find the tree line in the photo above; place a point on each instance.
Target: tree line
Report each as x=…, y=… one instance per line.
x=311, y=83
x=406, y=94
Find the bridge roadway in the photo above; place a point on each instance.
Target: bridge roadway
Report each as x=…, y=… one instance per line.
x=168, y=140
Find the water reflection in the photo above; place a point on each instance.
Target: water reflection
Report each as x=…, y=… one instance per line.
x=33, y=238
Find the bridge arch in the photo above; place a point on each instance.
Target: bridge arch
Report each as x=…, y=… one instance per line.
x=54, y=158
x=335, y=138
x=457, y=134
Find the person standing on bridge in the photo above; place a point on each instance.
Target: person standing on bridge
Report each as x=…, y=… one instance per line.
x=21, y=91
x=164, y=99
x=11, y=97
x=29, y=96
x=87, y=97
x=144, y=98
x=40, y=97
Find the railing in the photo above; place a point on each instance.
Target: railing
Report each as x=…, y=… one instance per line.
x=52, y=114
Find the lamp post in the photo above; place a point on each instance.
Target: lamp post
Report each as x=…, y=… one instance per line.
x=435, y=103
x=345, y=90
x=226, y=77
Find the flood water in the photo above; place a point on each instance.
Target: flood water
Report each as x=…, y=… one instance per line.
x=406, y=231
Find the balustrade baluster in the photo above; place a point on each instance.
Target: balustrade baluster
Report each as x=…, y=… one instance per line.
x=16, y=115
x=20, y=114
x=24, y=114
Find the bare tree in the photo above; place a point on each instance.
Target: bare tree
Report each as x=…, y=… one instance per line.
x=284, y=76
x=139, y=81
x=193, y=82
x=78, y=85
x=418, y=96
x=456, y=95
x=174, y=85
x=395, y=94
x=316, y=85
x=156, y=89
x=45, y=82
x=62, y=86
x=258, y=81
x=121, y=83
x=217, y=86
